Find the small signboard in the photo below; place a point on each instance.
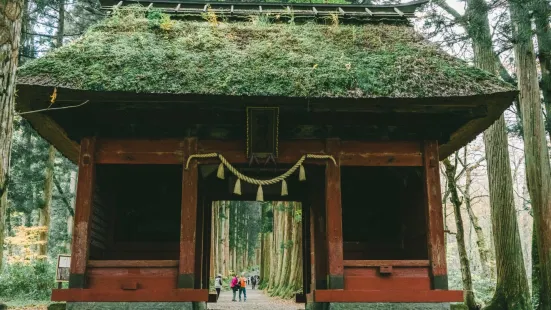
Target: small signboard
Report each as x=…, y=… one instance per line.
x=63, y=268
x=262, y=132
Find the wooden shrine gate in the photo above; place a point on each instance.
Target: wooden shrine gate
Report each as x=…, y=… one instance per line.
x=104, y=268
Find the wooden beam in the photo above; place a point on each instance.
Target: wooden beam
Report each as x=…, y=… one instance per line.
x=186, y=276
x=387, y=296
x=50, y=131
x=139, y=295
x=435, y=219
x=83, y=211
x=397, y=10
x=170, y=151
x=118, y=151
x=132, y=263
x=393, y=263
x=333, y=217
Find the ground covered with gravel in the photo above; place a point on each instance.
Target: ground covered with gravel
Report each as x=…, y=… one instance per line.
x=256, y=299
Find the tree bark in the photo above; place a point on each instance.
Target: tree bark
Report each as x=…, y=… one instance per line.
x=227, y=258
x=469, y=297
x=483, y=251
x=10, y=37
x=512, y=286
x=45, y=210
x=60, y=24
x=538, y=169
x=543, y=33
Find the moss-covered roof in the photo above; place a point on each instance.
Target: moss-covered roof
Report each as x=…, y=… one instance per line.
x=151, y=54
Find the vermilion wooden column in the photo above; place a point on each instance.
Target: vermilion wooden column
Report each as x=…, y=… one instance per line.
x=186, y=274
x=435, y=219
x=83, y=211
x=333, y=219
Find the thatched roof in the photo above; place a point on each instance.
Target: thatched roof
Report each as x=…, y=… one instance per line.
x=135, y=51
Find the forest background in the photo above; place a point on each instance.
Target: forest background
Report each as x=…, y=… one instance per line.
x=488, y=204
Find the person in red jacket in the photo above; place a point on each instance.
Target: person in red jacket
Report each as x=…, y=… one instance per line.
x=234, y=284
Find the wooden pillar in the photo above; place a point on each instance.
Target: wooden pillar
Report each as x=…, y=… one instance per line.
x=83, y=211
x=186, y=274
x=318, y=235
x=435, y=219
x=333, y=217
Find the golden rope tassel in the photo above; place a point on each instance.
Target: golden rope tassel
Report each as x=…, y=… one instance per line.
x=237, y=188
x=302, y=174
x=284, y=191
x=220, y=173
x=259, y=194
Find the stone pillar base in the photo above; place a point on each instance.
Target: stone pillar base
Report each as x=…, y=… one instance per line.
x=388, y=306
x=136, y=306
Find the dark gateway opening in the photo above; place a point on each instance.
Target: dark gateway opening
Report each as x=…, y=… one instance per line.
x=140, y=205
x=383, y=213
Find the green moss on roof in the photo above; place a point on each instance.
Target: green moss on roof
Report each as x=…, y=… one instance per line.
x=131, y=52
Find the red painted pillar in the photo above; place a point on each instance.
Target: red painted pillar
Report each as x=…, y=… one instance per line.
x=333, y=218
x=83, y=211
x=435, y=218
x=188, y=224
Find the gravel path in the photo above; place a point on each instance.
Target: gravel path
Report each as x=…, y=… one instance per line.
x=256, y=300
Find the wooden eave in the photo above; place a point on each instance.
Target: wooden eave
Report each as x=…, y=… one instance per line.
x=482, y=110
x=234, y=9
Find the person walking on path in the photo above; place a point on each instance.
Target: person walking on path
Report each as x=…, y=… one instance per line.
x=218, y=285
x=235, y=286
x=253, y=282
x=243, y=288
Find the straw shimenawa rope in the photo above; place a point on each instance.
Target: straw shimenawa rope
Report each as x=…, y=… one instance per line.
x=241, y=177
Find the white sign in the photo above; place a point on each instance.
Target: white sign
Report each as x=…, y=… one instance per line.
x=63, y=268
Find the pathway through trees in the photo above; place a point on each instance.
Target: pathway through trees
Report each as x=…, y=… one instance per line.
x=256, y=300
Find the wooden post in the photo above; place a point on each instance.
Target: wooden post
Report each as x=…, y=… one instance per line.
x=83, y=212
x=435, y=219
x=186, y=274
x=333, y=217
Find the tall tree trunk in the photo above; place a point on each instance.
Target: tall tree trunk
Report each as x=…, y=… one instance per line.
x=483, y=251
x=282, y=232
x=276, y=240
x=543, y=32
x=536, y=299
x=45, y=210
x=10, y=36
x=287, y=249
x=466, y=277
x=60, y=24
x=263, y=233
x=512, y=286
x=72, y=190
x=213, y=241
x=297, y=244
x=538, y=169
x=227, y=258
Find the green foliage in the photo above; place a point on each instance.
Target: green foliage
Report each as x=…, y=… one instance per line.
x=123, y=53
x=27, y=282
x=26, y=188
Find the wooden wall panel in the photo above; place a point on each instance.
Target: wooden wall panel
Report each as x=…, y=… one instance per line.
x=435, y=219
x=148, y=278
x=83, y=212
x=402, y=278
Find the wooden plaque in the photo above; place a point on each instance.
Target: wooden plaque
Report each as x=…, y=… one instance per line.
x=262, y=131
x=63, y=268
